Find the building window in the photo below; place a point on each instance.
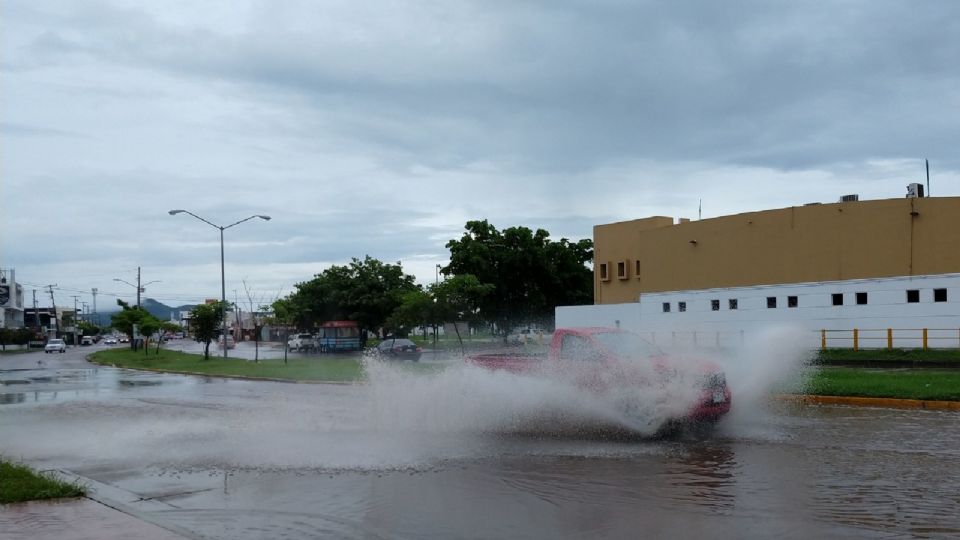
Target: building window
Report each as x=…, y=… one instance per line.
x=732, y=303
x=837, y=299
x=681, y=306
x=861, y=298
x=792, y=301
x=939, y=295
x=771, y=302
x=666, y=307
x=913, y=296
x=604, y=272
x=636, y=269
x=715, y=305
x=622, y=270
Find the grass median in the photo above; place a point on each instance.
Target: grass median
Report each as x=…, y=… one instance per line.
x=324, y=368
x=19, y=483
x=923, y=384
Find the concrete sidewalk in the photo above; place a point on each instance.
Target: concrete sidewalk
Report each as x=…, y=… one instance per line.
x=74, y=519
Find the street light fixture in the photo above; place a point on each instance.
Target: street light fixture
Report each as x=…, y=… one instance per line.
x=140, y=287
x=223, y=280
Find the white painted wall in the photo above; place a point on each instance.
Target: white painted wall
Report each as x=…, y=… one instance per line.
x=886, y=307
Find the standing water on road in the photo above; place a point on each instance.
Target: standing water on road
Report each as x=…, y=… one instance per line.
x=472, y=453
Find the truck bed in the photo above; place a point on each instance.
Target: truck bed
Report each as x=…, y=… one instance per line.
x=516, y=362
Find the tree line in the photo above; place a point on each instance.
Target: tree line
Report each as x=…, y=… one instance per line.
x=507, y=278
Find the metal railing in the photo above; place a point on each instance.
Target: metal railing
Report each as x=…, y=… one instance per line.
x=696, y=338
x=880, y=338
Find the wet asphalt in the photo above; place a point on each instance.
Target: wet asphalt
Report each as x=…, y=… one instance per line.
x=396, y=458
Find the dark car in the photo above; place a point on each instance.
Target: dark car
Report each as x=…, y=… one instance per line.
x=399, y=348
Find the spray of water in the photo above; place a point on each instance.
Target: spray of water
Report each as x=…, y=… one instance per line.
x=398, y=418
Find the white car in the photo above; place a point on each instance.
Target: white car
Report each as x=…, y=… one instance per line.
x=109, y=340
x=55, y=345
x=301, y=342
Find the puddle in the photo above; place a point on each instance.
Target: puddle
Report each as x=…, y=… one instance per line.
x=134, y=383
x=8, y=399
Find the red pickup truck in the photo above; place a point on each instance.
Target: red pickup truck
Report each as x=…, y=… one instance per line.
x=610, y=360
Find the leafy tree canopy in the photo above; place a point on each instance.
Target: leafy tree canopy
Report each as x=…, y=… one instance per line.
x=530, y=274
x=135, y=315
x=366, y=291
x=205, y=323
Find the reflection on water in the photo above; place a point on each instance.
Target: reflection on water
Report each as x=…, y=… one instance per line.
x=708, y=471
x=6, y=399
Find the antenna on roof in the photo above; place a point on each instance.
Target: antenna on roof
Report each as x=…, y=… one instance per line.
x=927, y=161
x=700, y=210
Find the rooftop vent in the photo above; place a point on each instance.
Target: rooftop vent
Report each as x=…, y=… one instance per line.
x=914, y=190
x=850, y=198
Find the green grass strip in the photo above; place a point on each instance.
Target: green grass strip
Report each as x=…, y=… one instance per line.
x=19, y=483
x=925, y=384
x=329, y=369
x=323, y=368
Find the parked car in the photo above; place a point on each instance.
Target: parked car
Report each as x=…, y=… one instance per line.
x=301, y=342
x=86, y=340
x=399, y=349
x=110, y=340
x=55, y=345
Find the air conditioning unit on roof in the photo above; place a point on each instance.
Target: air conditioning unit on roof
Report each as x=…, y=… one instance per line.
x=850, y=198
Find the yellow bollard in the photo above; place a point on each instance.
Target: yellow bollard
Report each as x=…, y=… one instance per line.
x=925, y=337
x=856, y=339
x=889, y=338
x=823, y=340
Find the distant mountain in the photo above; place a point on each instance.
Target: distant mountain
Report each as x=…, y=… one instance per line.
x=163, y=311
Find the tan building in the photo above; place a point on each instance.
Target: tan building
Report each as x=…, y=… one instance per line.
x=821, y=269
x=804, y=244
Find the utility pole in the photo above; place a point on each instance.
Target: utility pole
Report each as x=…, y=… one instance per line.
x=95, y=314
x=36, y=314
x=75, y=319
x=138, y=286
x=53, y=301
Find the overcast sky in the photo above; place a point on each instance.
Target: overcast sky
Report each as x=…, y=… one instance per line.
x=381, y=127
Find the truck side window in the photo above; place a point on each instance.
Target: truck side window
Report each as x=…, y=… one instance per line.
x=576, y=348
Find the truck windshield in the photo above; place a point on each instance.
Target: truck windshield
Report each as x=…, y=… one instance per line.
x=627, y=345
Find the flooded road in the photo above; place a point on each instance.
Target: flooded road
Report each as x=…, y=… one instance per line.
x=459, y=457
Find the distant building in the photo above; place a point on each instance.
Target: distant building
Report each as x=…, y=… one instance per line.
x=11, y=300
x=880, y=264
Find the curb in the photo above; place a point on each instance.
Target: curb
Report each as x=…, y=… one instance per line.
x=891, y=403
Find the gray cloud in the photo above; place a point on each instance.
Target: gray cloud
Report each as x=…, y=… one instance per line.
x=381, y=128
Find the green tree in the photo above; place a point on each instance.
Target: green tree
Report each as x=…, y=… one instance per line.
x=417, y=308
x=131, y=316
x=15, y=336
x=366, y=291
x=205, y=322
x=531, y=274
x=460, y=299
x=165, y=326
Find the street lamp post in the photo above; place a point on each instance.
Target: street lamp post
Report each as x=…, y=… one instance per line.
x=223, y=280
x=140, y=287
